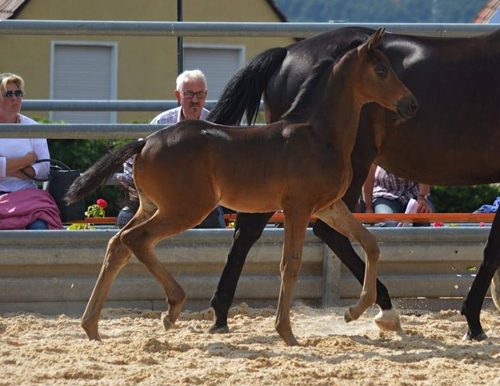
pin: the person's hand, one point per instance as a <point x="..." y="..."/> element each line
<point x="423" y="206"/>
<point x="31" y="157"/>
<point x="369" y="210"/>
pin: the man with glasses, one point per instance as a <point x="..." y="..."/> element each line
<point x="190" y="92"/>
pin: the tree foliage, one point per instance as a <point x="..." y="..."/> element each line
<point x="381" y="11"/>
<point x="83" y="153"/>
<point x="463" y="199"/>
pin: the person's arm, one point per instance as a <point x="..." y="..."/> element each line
<point x="423" y="192"/>
<point x="368" y="188"/>
<point x="40" y="170"/>
<point x="14" y="164"/>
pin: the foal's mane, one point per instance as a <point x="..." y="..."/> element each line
<point x="305" y="99"/>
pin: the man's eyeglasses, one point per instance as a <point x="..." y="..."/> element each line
<point x="190" y="94"/>
<point x="10" y="94"/>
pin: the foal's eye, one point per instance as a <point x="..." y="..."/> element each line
<point x="380" y="70"/>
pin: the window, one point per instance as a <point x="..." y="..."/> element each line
<point x="218" y="63"/>
<point x="83" y="71"/>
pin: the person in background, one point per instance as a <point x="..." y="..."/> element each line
<point x="22" y="204"/>
<point x="385" y="192"/>
<point x="191" y="91"/>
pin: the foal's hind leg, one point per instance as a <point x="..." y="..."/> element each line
<point x="142" y="239"/>
<point x="340" y="218"/>
<point x="117" y="256"/>
<point x="249" y="227"/>
<point x="295" y="230"/>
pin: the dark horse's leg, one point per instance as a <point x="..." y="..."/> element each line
<point x="475" y="298"/>
<point x="249" y="227"/>
<point x="342" y="247"/>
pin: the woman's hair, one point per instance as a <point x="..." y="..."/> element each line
<point x="190" y="75"/>
<point x="7" y="78"/>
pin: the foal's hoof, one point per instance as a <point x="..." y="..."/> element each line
<point x="478" y="337"/>
<point x="388" y="320"/>
<point x="215" y="329"/>
<point x="290" y="340"/>
<point x="167" y="324"/>
<point x="92" y="333"/>
<point x="348" y="317"/>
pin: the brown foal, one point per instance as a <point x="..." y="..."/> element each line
<point x="301" y="165"/>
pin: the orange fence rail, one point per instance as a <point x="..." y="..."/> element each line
<point x="366" y="218"/>
<point x="373" y="218"/>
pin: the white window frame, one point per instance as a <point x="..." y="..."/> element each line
<point x="114" y="66"/>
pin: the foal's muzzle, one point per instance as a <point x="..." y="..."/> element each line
<point x="407" y="106"/>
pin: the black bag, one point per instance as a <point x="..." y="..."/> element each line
<point x="61" y="177"/>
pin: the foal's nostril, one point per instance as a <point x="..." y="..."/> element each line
<point x="407" y="106"/>
<point x="414" y="106"/>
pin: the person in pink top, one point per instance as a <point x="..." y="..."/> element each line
<point x="18" y="155"/>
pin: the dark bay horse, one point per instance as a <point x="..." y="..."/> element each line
<point x="300" y="164"/>
<point x="452" y="140"/>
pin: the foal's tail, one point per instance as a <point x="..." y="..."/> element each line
<point x="244" y="90"/>
<point x="101" y="171"/>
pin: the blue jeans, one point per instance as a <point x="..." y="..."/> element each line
<point x="37" y="225"/>
<point x="384" y="205"/>
<point x="214" y="220"/>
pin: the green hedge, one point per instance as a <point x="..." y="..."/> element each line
<point x="463" y="199"/>
<point x="81" y="154"/>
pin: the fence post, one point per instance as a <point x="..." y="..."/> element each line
<point x="331" y="278"/>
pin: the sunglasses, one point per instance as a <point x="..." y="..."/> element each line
<point x="191" y="94"/>
<point x="10" y="94"/>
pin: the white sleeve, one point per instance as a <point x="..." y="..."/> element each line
<point x="41" y="148"/>
<point x="3" y="167"/>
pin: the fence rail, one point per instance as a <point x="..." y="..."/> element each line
<point x="103" y="105"/>
<point x="220" y="29"/>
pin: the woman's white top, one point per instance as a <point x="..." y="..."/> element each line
<point x="18" y="147"/>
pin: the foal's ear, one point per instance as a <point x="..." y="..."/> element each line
<point x="373" y="40"/>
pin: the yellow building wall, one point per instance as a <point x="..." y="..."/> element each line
<point x="147" y="66"/>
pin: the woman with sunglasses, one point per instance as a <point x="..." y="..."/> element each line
<point x="22" y="204"/>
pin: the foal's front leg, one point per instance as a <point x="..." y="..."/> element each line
<point x="117" y="256"/>
<point x="339" y="217"/>
<point x="295" y="230"/>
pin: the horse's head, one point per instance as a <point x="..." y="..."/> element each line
<point x="377" y="81"/>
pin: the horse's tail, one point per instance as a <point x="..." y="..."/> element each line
<point x="244" y="90"/>
<point x="101" y="171"/>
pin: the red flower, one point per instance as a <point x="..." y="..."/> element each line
<point x="102" y="203"/>
<point x="438" y="224"/>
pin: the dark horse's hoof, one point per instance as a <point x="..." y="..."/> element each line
<point x="215" y="329"/>
<point x="477" y="337"/>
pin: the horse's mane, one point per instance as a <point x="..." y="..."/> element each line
<point x="299" y="110"/>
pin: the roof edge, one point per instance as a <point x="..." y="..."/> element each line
<point x="277" y="11"/>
